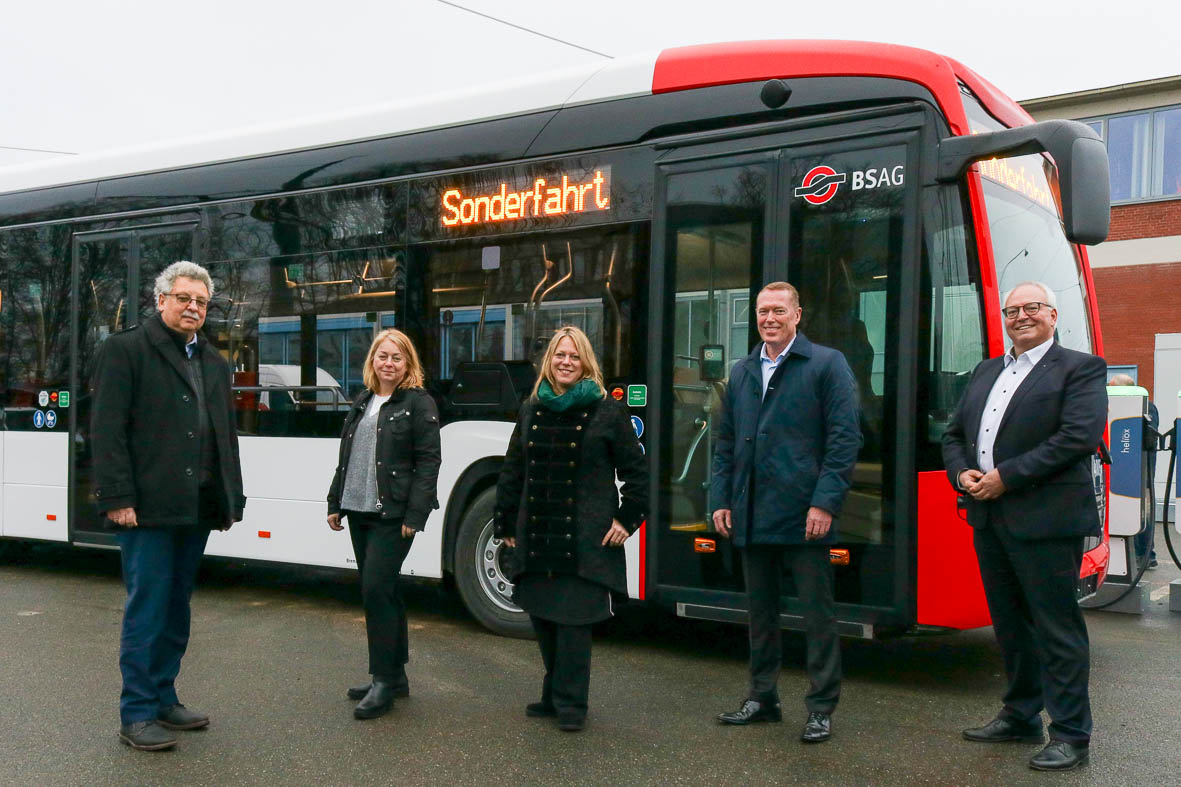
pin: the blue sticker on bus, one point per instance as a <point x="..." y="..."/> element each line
<point x="38" y="418"/>
<point x="638" y="425"/>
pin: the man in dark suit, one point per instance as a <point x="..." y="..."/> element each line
<point x="787" y="442"/>
<point x="167" y="472"/>
<point x="1019" y="449"/>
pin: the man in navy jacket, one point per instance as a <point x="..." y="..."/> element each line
<point x="787" y="442"/>
<point x="1019" y="448"/>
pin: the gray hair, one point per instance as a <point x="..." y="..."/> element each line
<point x="1121" y="379"/>
<point x="183" y="268"/>
<point x="1047" y="293"/>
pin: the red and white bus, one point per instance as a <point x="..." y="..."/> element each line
<point x="646" y="201"/>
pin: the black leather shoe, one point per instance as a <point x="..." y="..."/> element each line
<point x="401" y="689"/>
<point x="752" y="711"/>
<point x="1002" y="730"/>
<point x="540" y="710"/>
<point x="818" y="728"/>
<point x="377" y="702"/>
<point x="146" y="736"/>
<point x="571" y="721"/>
<point x="1060" y="756"/>
<point x="178" y="717"/>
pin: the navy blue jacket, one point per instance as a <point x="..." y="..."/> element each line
<point x="798" y="444"/>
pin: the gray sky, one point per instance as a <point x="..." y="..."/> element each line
<point x="85" y="75"/>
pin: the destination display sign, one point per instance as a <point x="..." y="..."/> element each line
<point x="518" y="198"/>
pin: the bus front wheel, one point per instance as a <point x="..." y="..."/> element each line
<point x="481" y="571"/>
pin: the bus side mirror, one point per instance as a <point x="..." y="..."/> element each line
<point x="1077" y="151"/>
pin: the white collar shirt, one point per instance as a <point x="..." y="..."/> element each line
<point x="1010" y="379"/>
<point x="769" y="365"/>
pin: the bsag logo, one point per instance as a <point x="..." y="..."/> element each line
<point x="820" y="184"/>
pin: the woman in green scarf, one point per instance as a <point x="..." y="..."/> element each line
<point x="559" y="508"/>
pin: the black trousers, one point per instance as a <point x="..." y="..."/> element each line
<point x="380" y="550"/>
<point x="762" y="567"/>
<point x="566" y="653"/>
<point x="1030" y="587"/>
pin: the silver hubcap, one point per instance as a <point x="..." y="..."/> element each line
<point x="491" y="558"/>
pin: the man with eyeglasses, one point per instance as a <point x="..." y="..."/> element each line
<point x="165" y="448"/>
<point x="1018" y="449"/>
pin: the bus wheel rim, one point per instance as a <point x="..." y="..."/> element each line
<point x="490" y="558"/>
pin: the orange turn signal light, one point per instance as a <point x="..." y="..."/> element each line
<point x="838" y="557"/>
<point x="706" y="545"/>
<point x="264" y="534"/>
<point x="51" y="517"/>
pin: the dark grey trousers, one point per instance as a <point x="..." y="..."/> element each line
<point x="566" y="653"/>
<point x="762" y="568"/>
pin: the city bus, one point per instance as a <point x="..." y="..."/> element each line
<point x="646" y="201"/>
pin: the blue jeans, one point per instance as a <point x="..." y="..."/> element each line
<point x="159" y="569"/>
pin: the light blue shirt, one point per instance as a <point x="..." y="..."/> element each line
<point x="769" y="365"/>
<point x="1014" y="373"/>
<point x="191" y="346"/>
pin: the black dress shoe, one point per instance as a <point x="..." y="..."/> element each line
<point x="401" y="689"/>
<point x="540" y="710"/>
<point x="146" y="736"/>
<point x="178" y="717"/>
<point x="377" y="702"/>
<point x="1001" y="730"/>
<point x="752" y="711"/>
<point x="1060" y="756"/>
<point x="569" y="721"/>
<point x="818" y="728"/>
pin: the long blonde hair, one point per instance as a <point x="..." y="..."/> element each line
<point x="586" y="353"/>
<point x="414" y="376"/>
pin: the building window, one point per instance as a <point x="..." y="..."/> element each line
<point x="1144" y="151"/>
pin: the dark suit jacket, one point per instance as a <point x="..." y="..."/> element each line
<point x="145" y="428"/>
<point x="798" y="444"/>
<point x="1052" y="426"/>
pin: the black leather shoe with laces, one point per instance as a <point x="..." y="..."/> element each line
<point x="1003" y="730"/>
<point x="817" y="729"/>
<point x="1060" y="756"/>
<point x="752" y="711"/>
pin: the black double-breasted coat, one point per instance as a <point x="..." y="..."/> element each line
<point x="557" y="493"/>
<point x="407" y="454"/>
<point x="145" y="427"/>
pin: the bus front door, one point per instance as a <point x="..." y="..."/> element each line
<point x="831" y="211"/>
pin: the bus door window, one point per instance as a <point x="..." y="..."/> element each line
<point x="844" y="257"/>
<point x="714" y="253"/>
<point x="156" y="252"/>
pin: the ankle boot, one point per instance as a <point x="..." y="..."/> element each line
<point x="377" y="702"/>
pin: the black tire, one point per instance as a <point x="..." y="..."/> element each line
<point x="480" y="562"/>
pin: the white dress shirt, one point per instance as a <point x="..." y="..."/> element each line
<point x="1014" y="373"/>
<point x="769" y="366"/>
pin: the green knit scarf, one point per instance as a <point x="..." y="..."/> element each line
<point x="580" y="394"/>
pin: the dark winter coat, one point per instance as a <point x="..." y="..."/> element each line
<point x="557" y="493"/>
<point x="1043" y="446"/>
<point x="407" y="455"/>
<point x="796" y="446"/>
<point x="145" y="427"/>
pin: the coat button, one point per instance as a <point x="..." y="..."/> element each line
<point x="574" y="445"/>
<point x="191" y="435"/>
<point x="530" y="443"/>
<point x="378" y="505"/>
<point x="534" y="427"/>
<point x="379" y="463"/>
<point x="578" y="428"/>
<point x="185" y="397"/>
<point x="572" y="464"/>
<point x="392" y="472"/>
<point x="188" y="471"/>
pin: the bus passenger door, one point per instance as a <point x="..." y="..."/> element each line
<point x="113" y="278"/>
<point x="714" y="232"/>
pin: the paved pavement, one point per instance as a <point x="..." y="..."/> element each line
<point x="273" y="651"/>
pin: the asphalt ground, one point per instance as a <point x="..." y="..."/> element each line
<point x="273" y="650"/>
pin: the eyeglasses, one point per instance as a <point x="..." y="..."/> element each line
<point x="1031" y="308"/>
<point x="185" y="300"/>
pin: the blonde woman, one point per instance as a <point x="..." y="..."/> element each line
<point x="558" y="505"/>
<point x="385" y="486"/>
